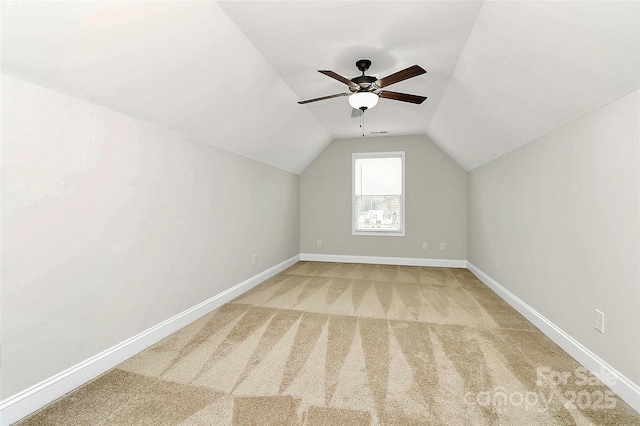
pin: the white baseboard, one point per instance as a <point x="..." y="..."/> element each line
<point x="26" y="402"/>
<point x="627" y="390"/>
<point x="382" y="260"/>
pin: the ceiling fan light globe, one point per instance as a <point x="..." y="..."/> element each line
<point x="363" y="100"/>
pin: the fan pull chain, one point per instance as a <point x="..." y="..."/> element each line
<point x="362" y="122"/>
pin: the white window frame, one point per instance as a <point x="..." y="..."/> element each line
<point x="381" y="232"/>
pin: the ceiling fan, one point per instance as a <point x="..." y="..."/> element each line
<point x="366" y="90"/>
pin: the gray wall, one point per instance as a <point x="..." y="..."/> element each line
<point x="561" y="215"/>
<point x="111" y="226"/>
<point x="436" y="198"/>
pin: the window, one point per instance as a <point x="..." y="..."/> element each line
<point x="378" y="193"/>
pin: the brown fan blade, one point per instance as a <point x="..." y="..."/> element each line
<point x="323" y="98"/>
<point x="414" y="99"/>
<point x="340" y="78"/>
<point x="400" y="75"/>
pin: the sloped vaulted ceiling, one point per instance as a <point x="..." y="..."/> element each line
<point x="499" y="73"/>
<point x="229" y="73"/>
<point x="530" y="67"/>
<point x="182" y="65"/>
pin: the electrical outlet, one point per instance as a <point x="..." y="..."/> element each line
<point x="599" y="324"/>
<point x="319" y="243"/>
<point x="424" y="246"/>
<point x="443" y="246"/>
<point x="254" y="259"/>
<point x="496" y="265"/>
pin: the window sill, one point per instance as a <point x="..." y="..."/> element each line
<point x="379" y="233"/>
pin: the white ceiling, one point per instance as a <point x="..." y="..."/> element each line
<point x="229" y="73"/>
<point x="183" y="65"/>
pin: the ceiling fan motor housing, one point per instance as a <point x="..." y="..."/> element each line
<point x="364" y="82"/>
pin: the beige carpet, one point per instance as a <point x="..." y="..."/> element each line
<point x="350" y="344"/>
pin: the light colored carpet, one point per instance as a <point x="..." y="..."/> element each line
<point x="350" y="344"/>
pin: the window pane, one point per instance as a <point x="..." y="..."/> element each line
<point x="376" y="176"/>
<point x="378" y="193"/>
<point x="378" y="212"/>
